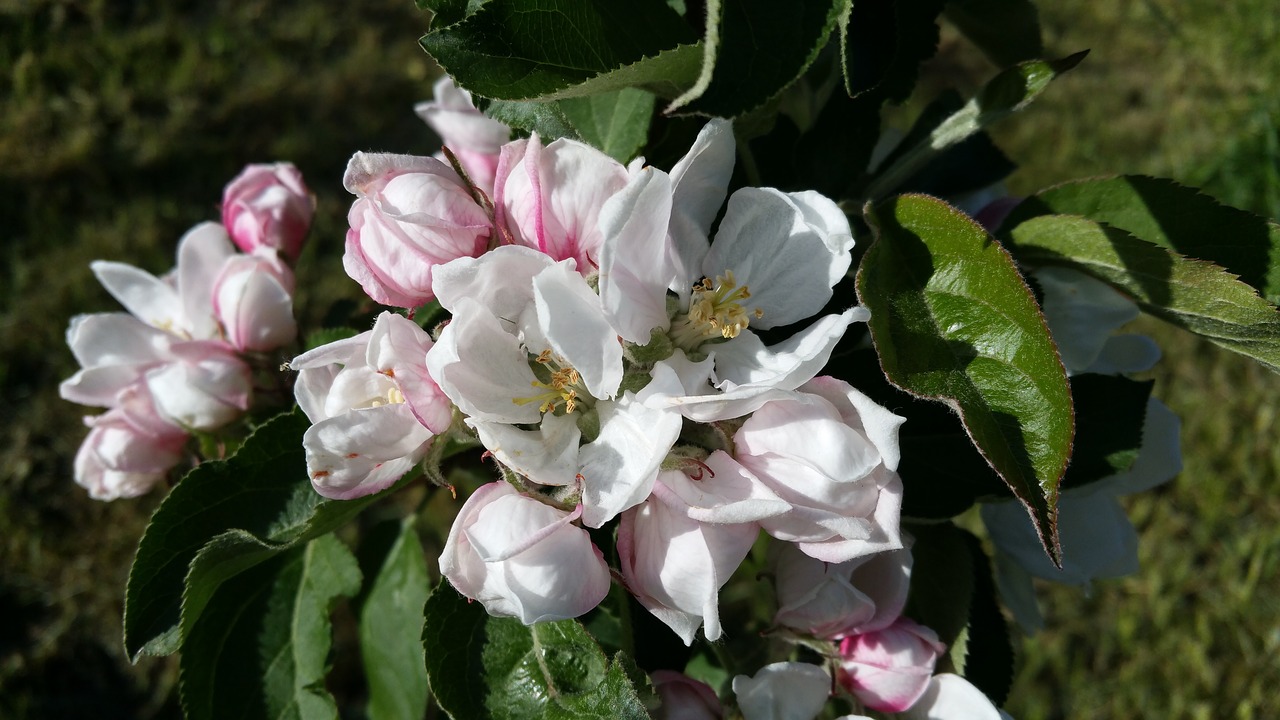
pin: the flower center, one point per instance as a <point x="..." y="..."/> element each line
<point x="393" y="396"/>
<point x="559" y="383"/>
<point x="714" y="310"/>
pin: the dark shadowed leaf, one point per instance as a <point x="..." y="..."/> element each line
<point x="261" y="648"/>
<point x="1180" y="218"/>
<point x="883" y="44"/>
<point x="526" y="49"/>
<point x="255" y="504"/>
<point x="953" y="320"/>
<point x="1005" y="94"/>
<point x="1007" y="31"/>
<point x="754" y="49"/>
<point x="1193" y="294"/>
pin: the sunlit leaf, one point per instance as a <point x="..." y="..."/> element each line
<point x="953" y="320"/>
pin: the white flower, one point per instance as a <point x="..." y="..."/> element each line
<point x="373" y="406"/>
<point x="831" y="600"/>
<point x="522" y="558"/>
<point x="832" y="453"/>
<point x="774" y="261"/>
<point x="515" y="311"/>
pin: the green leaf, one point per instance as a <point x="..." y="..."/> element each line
<point x="489" y="667"/>
<point x="392" y="655"/>
<point x="255" y="504"/>
<point x="448" y="12"/>
<point x="953" y="320"/>
<point x="1173" y="216"/>
<point x="882" y="45"/>
<point x="532" y="49"/>
<point x="544" y="118"/>
<point x="1192" y="294"/>
<point x="1005" y="94"/>
<point x="754" y="49"/>
<point x="1007" y="31"/>
<point x="616" y="123"/>
<point x="260" y="651"/>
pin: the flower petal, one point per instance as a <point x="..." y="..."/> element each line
<point x="634" y="269"/>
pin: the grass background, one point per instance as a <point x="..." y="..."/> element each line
<point x="121" y="122"/>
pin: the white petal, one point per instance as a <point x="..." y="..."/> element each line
<point x="1126" y="353"/>
<point x="363" y="451"/>
<point x="500" y="280"/>
<point x="725" y="493"/>
<point x="634" y="269"/>
<point x="147" y="297"/>
<point x="1082" y="313"/>
<point x="1160" y="455"/>
<point x="951" y="697"/>
<point x="699" y="182"/>
<point x="343" y="352"/>
<point x="570" y="316"/>
<point x="547" y="456"/>
<point x="783" y="691"/>
<point x="201" y="254"/>
<point x="620" y="466"/>
<point x="482" y="368"/>
<point x="789" y="264"/>
<point x="789" y="364"/>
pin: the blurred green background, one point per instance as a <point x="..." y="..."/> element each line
<point x="120" y="123"/>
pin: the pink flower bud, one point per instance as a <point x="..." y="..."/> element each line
<point x="268" y="206"/>
<point x="411" y="214"/>
<point x="521" y="558"/>
<point x="129" y="449"/>
<point x="253" y="301"/>
<point x="550" y="197"/>
<point x="684" y="698"/>
<point x="888" y="670"/>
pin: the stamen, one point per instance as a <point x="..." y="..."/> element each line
<point x="714" y="309"/>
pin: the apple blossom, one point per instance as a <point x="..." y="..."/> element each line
<point x="783" y="691"/>
<point x="531" y="361"/>
<point x="832" y="453"/>
<point x="522" y="558"/>
<point x="684" y="698"/>
<point x="374" y="408"/>
<point x="411" y="214"/>
<point x="675" y="565"/>
<point x="253" y="301"/>
<point x="774" y="261"/>
<point x="889" y="669"/>
<point x="832" y="600"/>
<point x="549" y="197"/>
<point x="474" y="138"/>
<point x="268" y="206"/>
<point x="115" y="351"/>
<point x="129" y="449"/>
<point x="203" y="387"/>
<point x="182" y="302"/>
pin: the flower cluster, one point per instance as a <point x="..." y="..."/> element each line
<point x="603" y="348"/>
<point x="179" y="360"/>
